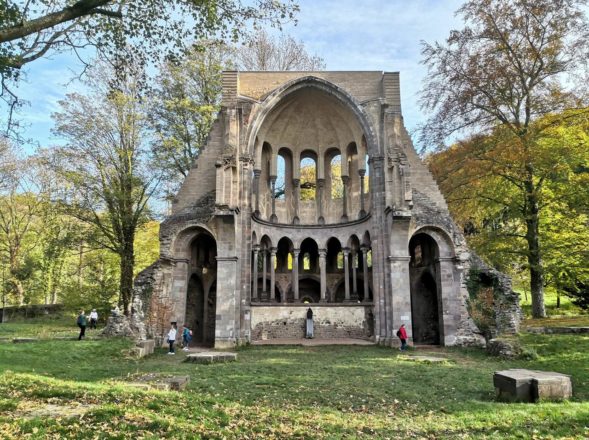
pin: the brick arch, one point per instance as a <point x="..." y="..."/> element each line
<point x="440" y="236"/>
<point x="183" y="239"/>
<point x="276" y="97"/>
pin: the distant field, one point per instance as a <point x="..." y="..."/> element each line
<point x="280" y="392"/>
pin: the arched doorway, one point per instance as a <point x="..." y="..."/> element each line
<point x="425" y="293"/>
<point x="201" y="300"/>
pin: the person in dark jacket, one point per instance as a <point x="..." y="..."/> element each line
<point x="309" y="332"/>
<point x="402" y="335"/>
<point x="82" y="324"/>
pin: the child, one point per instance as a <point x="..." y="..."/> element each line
<point x="402" y="335"/>
<point x="186" y="337"/>
<point x="172" y="337"/>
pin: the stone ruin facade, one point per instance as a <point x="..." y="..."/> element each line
<point x="309" y="193"/>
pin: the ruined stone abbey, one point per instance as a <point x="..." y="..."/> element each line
<point x="309" y="193"/>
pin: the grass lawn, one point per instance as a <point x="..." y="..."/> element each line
<point x="283" y="392"/>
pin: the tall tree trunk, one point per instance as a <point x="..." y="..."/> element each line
<point x="126" y="281"/>
<point x="534" y="254"/>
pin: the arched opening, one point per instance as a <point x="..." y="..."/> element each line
<point x="308" y="170"/>
<point x="280" y="186"/>
<point x="284" y="255"/>
<point x="336" y="186"/>
<point x="200" y="304"/>
<point x="425" y="299"/>
<point x="309" y="256"/>
<point x="309" y="290"/>
<point x="335" y="259"/>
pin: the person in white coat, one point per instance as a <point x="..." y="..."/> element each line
<point x="172" y="337"/>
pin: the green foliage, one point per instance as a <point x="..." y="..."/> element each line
<point x="342" y="392"/>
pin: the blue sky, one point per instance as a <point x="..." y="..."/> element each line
<point x="348" y="34"/>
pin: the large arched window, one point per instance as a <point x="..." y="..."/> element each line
<point x="308" y="178"/>
<point x="335" y="173"/>
<point x="280" y="186"/>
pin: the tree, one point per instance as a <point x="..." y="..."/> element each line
<point x="105" y="165"/>
<point x="473" y="177"/>
<point x="185" y="103"/>
<point x="513" y="63"/>
<point x="263" y="52"/>
<point x="32" y="29"/>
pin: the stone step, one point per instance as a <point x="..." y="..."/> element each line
<point x="211" y="357"/>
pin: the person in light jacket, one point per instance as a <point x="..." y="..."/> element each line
<point x="172" y="337"/>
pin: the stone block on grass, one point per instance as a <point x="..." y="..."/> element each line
<point x="24" y="340"/>
<point x="520" y="385"/>
<point x="211" y="357"/>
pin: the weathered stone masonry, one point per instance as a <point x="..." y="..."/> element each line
<point x="309" y="193"/>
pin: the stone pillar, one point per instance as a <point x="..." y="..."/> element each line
<point x="256" y="249"/>
<point x="297" y="197"/>
<point x="273" y="217"/>
<point x="322" y="269"/>
<point x="362" y="173"/>
<point x="347" y="273"/>
<point x="364" y="250"/>
<point x="264" y="272"/>
<point x="401" y="288"/>
<point x="345" y="181"/>
<point x="319" y="198"/>
<point x="354" y="277"/>
<point x="257" y="174"/>
<point x="295" y="273"/>
<point x="272" y="274"/>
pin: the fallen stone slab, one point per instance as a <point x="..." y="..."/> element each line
<point x="24" y="340"/>
<point x="178" y="383"/>
<point x="211" y="357"/>
<point x="521" y="385"/>
<point x="148" y="344"/>
<point x="152" y="381"/>
<point x="557" y="330"/>
<point x="426" y="359"/>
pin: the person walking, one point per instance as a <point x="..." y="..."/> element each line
<point x="186" y="337"/>
<point x="309" y="332"/>
<point x="93" y="318"/>
<point x="402" y="335"/>
<point x="82" y="324"/>
<point x="172" y="337"/>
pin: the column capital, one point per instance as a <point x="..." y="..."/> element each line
<point x="273" y="251"/>
<point x="345" y="179"/>
<point x="362" y="172"/>
<point x="322" y="253"/>
<point x="296" y="251"/>
<point x="320" y="183"/>
<point x="296" y="182"/>
<point x="346" y="251"/>
<point x="256" y="248"/>
<point x="257" y="173"/>
<point x="364" y="249"/>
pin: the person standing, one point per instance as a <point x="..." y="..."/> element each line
<point x="309" y="332"/>
<point x="172" y="337"/>
<point x="82" y="324"/>
<point x="93" y="318"/>
<point x="402" y="335"/>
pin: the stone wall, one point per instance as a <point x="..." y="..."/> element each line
<point x="330" y="322"/>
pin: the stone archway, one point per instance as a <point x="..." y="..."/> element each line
<point x="424" y="272"/>
<point x="201" y="299"/>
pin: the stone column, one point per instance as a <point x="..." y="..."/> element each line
<point x="319" y="199"/>
<point x="364" y="250"/>
<point x="295" y="273"/>
<point x="264" y="271"/>
<point x="345" y="181"/>
<point x="257" y="174"/>
<point x="297" y="196"/>
<point x="272" y="274"/>
<point x="362" y="173"/>
<point x="347" y="273"/>
<point x="322" y="269"/>
<point x="273" y="217"/>
<point x="354" y="277"/>
<point x="255" y="277"/>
